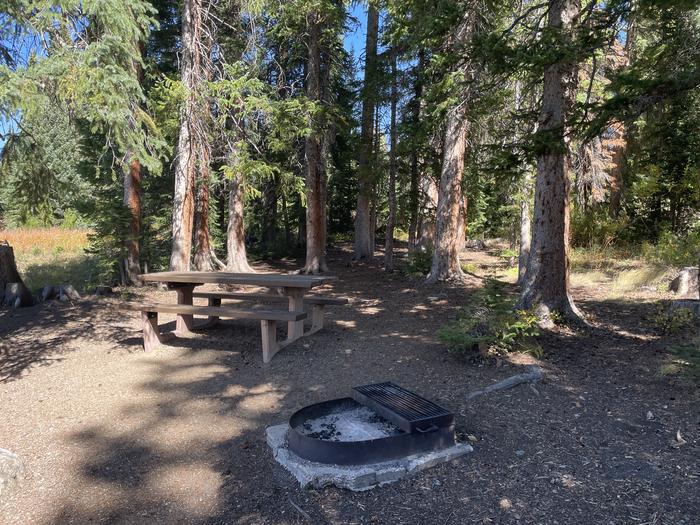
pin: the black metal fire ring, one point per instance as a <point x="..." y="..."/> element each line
<point x="387" y="448"/>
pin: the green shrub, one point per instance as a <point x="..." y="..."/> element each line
<point x="674" y="321"/>
<point x="674" y="250"/>
<point x="492" y="324"/>
<point x="595" y="228"/>
<point x="419" y="262"/>
<point x="686" y="359"/>
<point x="469" y="268"/>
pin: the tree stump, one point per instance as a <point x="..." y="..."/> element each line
<point x="686" y="282"/>
<point x="13" y="292"/>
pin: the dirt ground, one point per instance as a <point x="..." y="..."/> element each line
<point x="110" y="434"/>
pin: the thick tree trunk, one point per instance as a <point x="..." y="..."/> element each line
<point x="203" y="260"/>
<point x="391" y="219"/>
<point x="448" y="237"/>
<point x="315" y="160"/>
<point x="364" y="248"/>
<point x="236" y="259"/>
<point x="132" y="201"/>
<point x="525" y="232"/>
<point x="546" y="285"/>
<point x="447" y="222"/>
<point x="13" y="292"/>
<point x="187" y="150"/>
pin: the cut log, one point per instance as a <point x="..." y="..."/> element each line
<point x="68" y="291"/>
<point x="17" y="295"/>
<point x="533" y="374"/>
<point x="686" y="282"/>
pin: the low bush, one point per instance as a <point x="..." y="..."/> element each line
<point x="674" y="250"/>
<point x="491" y="324"/>
<point x="419" y="262"/>
<point x="675" y="320"/>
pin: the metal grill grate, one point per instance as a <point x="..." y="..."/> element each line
<point x="409" y="411"/>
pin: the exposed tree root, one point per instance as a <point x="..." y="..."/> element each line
<point x="533" y="375"/>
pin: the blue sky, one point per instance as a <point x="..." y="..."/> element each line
<point x="354" y="40"/>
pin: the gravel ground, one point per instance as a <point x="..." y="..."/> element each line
<point x="110" y="434"/>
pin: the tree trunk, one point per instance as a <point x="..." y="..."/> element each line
<point x="315" y="161"/>
<point x="236" y="258"/>
<point x="414" y="192"/>
<point x="132" y="200"/>
<point x="447" y="222"/>
<point x="10" y="280"/>
<point x="426" y="217"/>
<point x="364" y="248"/>
<point x="189" y="136"/>
<point x="546" y="285"/>
<point x="525" y="232"/>
<point x="447" y="231"/>
<point x="269" y="226"/>
<point x="203" y="260"/>
<point x="391" y="219"/>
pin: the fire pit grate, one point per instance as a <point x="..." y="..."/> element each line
<point x="408" y="411"/>
<point x="381" y="422"/>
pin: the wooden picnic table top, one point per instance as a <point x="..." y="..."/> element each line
<point x="254" y="279"/>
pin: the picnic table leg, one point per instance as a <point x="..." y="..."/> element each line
<point x="184" y="323"/>
<point x="295" y="329"/>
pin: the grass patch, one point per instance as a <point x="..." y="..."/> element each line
<point x="685" y="361"/>
<point x="51" y="256"/>
<point x="616" y="268"/>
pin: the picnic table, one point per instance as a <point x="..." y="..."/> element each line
<point x="292" y="288"/>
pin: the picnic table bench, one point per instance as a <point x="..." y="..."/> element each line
<point x="291" y="288"/>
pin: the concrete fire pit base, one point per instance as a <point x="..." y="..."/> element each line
<point x="359" y="477"/>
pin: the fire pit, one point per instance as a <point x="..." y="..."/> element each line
<point x="380" y="422"/>
<point x="379" y="435"/>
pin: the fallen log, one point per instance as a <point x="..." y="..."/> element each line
<point x="68" y="293"/>
<point x="533" y="375"/>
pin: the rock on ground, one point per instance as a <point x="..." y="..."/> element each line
<point x="11" y="470"/>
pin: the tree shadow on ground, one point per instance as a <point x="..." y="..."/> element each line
<point x="188" y="444"/>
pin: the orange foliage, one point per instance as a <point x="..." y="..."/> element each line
<point x="45" y="239"/>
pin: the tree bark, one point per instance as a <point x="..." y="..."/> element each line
<point x="189" y="136"/>
<point x="236" y="258"/>
<point x="525" y="232"/>
<point x="546" y="285"/>
<point x="447" y="231"/>
<point x="10" y="280"/>
<point x="203" y="260"/>
<point x="414" y="192"/>
<point x="315" y="160"/>
<point x="132" y="200"/>
<point x="364" y="248"/>
<point x="391" y="219"/>
<point x="447" y="223"/>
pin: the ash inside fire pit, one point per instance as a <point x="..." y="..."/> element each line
<point x="353" y="422"/>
